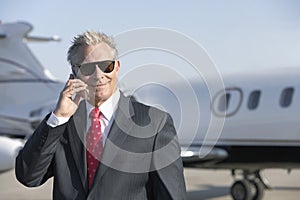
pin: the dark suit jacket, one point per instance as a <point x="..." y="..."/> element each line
<point x="141" y="157"/>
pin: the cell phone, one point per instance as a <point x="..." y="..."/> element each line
<point x="84" y="94"/>
<point x="74" y="73"/>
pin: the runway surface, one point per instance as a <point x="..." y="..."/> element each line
<point x="201" y="184"/>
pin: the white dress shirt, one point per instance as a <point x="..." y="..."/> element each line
<point x="107" y="109"/>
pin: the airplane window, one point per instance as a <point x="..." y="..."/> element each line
<point x="224" y="102"/>
<point x="254" y="99"/>
<point x="286" y="97"/>
<point x="228" y="103"/>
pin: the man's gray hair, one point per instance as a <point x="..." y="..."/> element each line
<point x="89" y="38"/>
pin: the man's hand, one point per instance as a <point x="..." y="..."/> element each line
<point x="66" y="106"/>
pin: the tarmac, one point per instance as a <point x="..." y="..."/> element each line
<point x="200" y="183"/>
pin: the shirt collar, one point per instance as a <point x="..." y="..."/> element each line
<point x="108" y="107"/>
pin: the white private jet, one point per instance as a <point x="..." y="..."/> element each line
<point x="260" y="112"/>
<point x="261" y="125"/>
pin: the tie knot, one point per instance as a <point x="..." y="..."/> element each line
<point x="95" y="113"/>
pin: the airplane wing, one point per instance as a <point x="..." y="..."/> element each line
<point x="203" y="155"/>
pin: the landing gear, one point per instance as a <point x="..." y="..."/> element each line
<point x="259" y="189"/>
<point x="251" y="187"/>
<point x="242" y="190"/>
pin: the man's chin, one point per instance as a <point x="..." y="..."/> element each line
<point x="101" y="98"/>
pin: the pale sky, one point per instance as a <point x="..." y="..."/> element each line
<point x="237" y="34"/>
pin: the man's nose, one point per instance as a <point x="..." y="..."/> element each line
<point x="98" y="73"/>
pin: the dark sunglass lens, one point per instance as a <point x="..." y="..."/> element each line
<point x="107" y="66"/>
<point x="87" y="69"/>
<point x="110" y="67"/>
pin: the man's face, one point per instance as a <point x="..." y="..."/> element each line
<point x="100" y="85"/>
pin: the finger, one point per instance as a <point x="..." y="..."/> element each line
<point x="76" y="82"/>
<point x="77" y="99"/>
<point x="71" y="77"/>
<point x="68" y="91"/>
<point x="79" y="89"/>
<point x="79" y="85"/>
<point x="73" y="86"/>
<point x="73" y="83"/>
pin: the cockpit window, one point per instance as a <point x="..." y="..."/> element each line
<point x="227" y="103"/>
<point x="224" y="102"/>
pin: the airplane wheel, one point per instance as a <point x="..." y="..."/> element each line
<point x="259" y="189"/>
<point x="243" y="190"/>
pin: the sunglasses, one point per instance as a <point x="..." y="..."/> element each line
<point x="105" y="66"/>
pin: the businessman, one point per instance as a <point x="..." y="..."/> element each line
<point x="99" y="144"/>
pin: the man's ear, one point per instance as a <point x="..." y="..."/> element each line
<point x="117" y="65"/>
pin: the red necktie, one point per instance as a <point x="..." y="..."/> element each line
<point x="93" y="145"/>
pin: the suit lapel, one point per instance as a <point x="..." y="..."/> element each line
<point x="77" y="129"/>
<point x="117" y="135"/>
